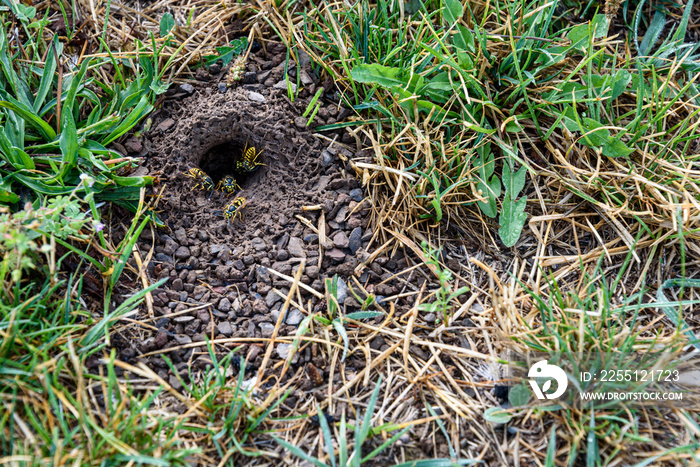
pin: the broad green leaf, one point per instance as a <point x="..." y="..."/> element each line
<point x="377" y="74"/>
<point x="15" y="156"/>
<point x="24" y="12"/>
<point x="519" y="395"/>
<point x="85" y="154"/>
<point x="30" y="117"/>
<point x="42" y="187"/>
<point x="513" y="127"/>
<point x="132" y="181"/>
<point x="620" y="82"/>
<point x="497" y="415"/>
<point x="492" y="190"/>
<point x="581" y="34"/>
<point x="48" y="73"/>
<point x="226" y="53"/>
<point x="167" y="23"/>
<point x="596" y="138"/>
<point x="464" y="39"/>
<point x="27" y="161"/>
<point x="489" y="186"/>
<point x="76" y="83"/>
<point x="159" y="87"/>
<point x="68" y="142"/>
<point x="512" y="220"/>
<point x="438" y="88"/>
<point x="364" y="315"/>
<point x="452" y="11"/>
<point x="616" y="148"/>
<point x="513" y="182"/>
<point x="7" y="197"/>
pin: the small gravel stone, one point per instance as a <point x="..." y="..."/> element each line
<point x="342" y="212"/>
<point x="177" y="285"/>
<point x="181" y="236"/>
<point x="133" y="145"/>
<point x="326" y="158"/>
<point x="429" y="318"/>
<point x="272" y="298"/>
<point x="182" y="253"/>
<point x="224" y="305"/>
<point x="183" y="340"/>
<point x="225" y="328"/>
<point x="294" y="317"/>
<point x="203" y="316"/>
<point x="163" y="258"/>
<point x="335" y="254"/>
<point x="311" y="238"/>
<point x="296" y="247"/>
<point x="174" y="382"/>
<point x="355" y="240"/>
<point x="215" y="249"/>
<point x="283" y="351"/>
<point x="283" y="85"/>
<point x="282" y="255"/>
<point x="165" y="125"/>
<point x="262" y="274"/>
<point x="259" y="244"/>
<point x="342" y="292"/>
<point x="187" y="87"/>
<point x="312" y="272"/>
<point x="161" y="339"/>
<point x="300" y="122"/>
<point x="222" y="88"/>
<point x="356" y="194"/>
<point x="341" y="240"/>
<point x="251" y="77"/>
<point x="267" y="329"/>
<point x="221" y="272"/>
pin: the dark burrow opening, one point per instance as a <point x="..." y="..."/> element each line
<point x="220" y="161"/>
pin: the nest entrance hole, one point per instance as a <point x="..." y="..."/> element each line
<point x="220" y="161"/>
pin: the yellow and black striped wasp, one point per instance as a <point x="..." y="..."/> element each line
<point x="233" y="210"/>
<point x="203" y="180"/>
<point x="249" y="161"/>
<point x="228" y="186"/>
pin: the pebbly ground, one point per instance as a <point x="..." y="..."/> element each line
<point x="219" y="279"/>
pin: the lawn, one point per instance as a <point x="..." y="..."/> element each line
<point x="403" y="232"/>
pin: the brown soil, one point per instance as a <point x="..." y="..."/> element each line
<point x="222" y="272"/>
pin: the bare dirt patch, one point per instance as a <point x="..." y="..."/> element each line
<point x="223" y="273"/>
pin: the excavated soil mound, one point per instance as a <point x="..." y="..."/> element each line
<point x="220" y="281"/>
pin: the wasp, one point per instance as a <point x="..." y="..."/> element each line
<point x="233" y="209"/>
<point x="228" y="185"/>
<point x="249" y="162"/>
<point x="203" y="180"/>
